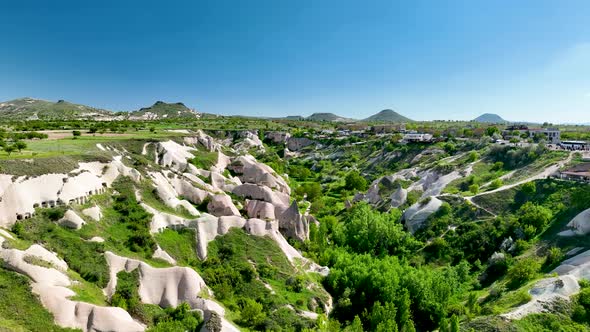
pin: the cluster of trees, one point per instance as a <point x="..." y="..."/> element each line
<point x="136" y="219"/>
<point x="515" y="157"/>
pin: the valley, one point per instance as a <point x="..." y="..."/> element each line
<point x="211" y="223"/>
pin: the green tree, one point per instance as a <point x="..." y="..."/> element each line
<point x="354" y="181"/>
<point x="533" y="215"/>
<point x="522" y="271"/>
<point x="490" y="131"/>
<point x="252" y="314"/>
<point x="383" y="317"/>
<point x="20" y="145"/>
<point x="474" y="188"/>
<point x="9" y="149"/>
<point x="370" y="231"/>
<point x="76" y="133"/>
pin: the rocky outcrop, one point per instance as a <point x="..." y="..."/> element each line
<point x="398" y="197"/>
<point x="580" y="225"/>
<point x="251" y="171"/>
<point x="51" y="285"/>
<point x="20" y="197"/>
<point x="93" y="213"/>
<point x="277" y="137"/>
<point x="260" y="210"/>
<point x="71" y="220"/>
<point x="293" y="224"/>
<point x="173" y="155"/>
<point x="250" y="140"/>
<point x="221" y="205"/>
<point x="549" y="290"/>
<point x="416" y="215"/>
<point x="203" y="139"/>
<point x="166" y="287"/>
<point x="298" y="143"/>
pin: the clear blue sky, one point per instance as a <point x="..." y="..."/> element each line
<point x="525" y="60"/>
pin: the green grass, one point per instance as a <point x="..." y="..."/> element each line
<point x="181" y="245"/>
<point x="204" y="159"/>
<point x="20" y="310"/>
<point x="86" y="291"/>
<point x="236" y="253"/>
<point x="482" y="173"/>
<point x="82" y="256"/>
<point x="537" y="166"/>
<point x="28" y="165"/>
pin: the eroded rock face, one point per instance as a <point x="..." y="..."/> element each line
<point x="21" y="196"/>
<point x="221" y="205"/>
<point x="580" y="225"/>
<point x="203" y="139"/>
<point x="298" y="143"/>
<point x="262" y="193"/>
<point x="399" y="197"/>
<point x="293" y="224"/>
<point x="167" y="193"/>
<point x="260" y="209"/>
<point x="416" y="215"/>
<point x="173" y="155"/>
<point x="166" y="287"/>
<point x="51" y="284"/>
<point x="277" y="137"/>
<point x="71" y="220"/>
<point x="251" y="171"/>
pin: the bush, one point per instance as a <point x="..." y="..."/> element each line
<point x="553" y="257"/>
<point x="251" y="314"/>
<point x="354" y="181"/>
<point x="522" y="271"/>
<point x="497" y="183"/>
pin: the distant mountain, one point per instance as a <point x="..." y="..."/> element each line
<point x="387" y="116"/>
<point x="36" y="109"/>
<point x="331" y="117"/>
<point x="294" y="117"/>
<point x="162" y="110"/>
<point x="490" y="118"/>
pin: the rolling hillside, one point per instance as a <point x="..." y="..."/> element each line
<point x="163" y="110"/>
<point x="34" y="109"/>
<point x="327" y="117"/>
<point x="489" y="118"/>
<point x="387" y="116"/>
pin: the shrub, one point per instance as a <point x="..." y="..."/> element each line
<point x="522" y="271"/>
<point x="354" y="181"/>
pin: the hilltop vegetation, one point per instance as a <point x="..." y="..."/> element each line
<point x="35" y="109"/>
<point x="387" y="116"/>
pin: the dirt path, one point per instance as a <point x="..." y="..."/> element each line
<point x="547" y="172"/>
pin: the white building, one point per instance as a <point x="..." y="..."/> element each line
<point x="417" y="137"/>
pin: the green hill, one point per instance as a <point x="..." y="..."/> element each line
<point x="327" y="117"/>
<point x="387" y="116"/>
<point x="163" y="110"/>
<point x="489" y="118"/>
<point x="34" y="109"/>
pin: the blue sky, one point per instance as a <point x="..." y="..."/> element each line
<point x="525" y="60"/>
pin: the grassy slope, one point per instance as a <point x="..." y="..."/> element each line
<point x="20" y="310"/>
